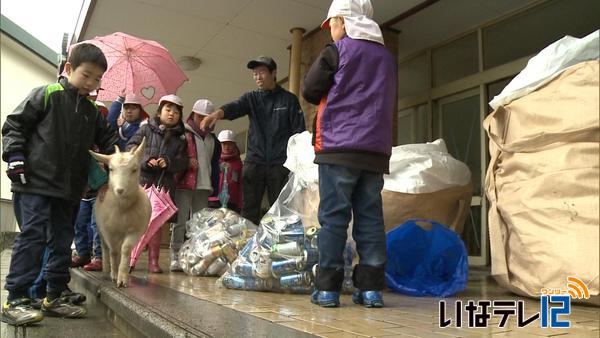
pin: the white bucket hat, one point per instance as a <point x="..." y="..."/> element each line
<point x="203" y="107"/>
<point x="358" y="20"/>
<point x="171" y="98"/>
<point x="226" y="136"/>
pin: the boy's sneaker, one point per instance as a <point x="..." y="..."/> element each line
<point x="368" y="298"/>
<point x="19" y="312"/>
<point x="73" y="297"/>
<point x="325" y="298"/>
<point x="77" y="261"/>
<point x="94" y="265"/>
<point x="62" y="307"/>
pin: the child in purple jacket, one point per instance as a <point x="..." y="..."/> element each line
<point x="354" y="83"/>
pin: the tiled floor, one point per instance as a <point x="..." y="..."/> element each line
<point x="403" y="316"/>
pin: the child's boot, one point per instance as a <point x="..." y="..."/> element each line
<point x="369" y="282"/>
<point x="174" y="266"/>
<point x="154" y="253"/>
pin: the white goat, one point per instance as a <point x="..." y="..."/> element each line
<point x="122" y="211"/>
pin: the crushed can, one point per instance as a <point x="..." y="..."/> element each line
<point x="262" y="266"/>
<point x="229" y="252"/>
<point x="212" y="252"/>
<point x="286" y="267"/>
<point x="216" y="266"/>
<point x="245" y="269"/>
<point x="289" y="281"/>
<point x="287" y="249"/>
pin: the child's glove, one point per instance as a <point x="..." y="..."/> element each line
<point x="16" y="169"/>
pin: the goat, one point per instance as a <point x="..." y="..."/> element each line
<point x="122" y="210"/>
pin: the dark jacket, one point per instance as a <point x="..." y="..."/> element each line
<point x="354" y="83"/>
<point x="187" y="180"/>
<point x="127" y="130"/>
<point x="167" y="143"/>
<point x="53" y="128"/>
<point x="274" y="117"/>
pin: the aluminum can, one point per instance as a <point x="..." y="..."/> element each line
<point x="287" y="249"/>
<point x="212" y="252"/>
<point x="300" y="279"/>
<point x="245" y="250"/>
<point x="286" y="267"/>
<point x="245" y="269"/>
<point x="229" y="252"/>
<point x="200" y="268"/>
<point x="247" y="283"/>
<point x="216" y="266"/>
<point x="236" y="229"/>
<point x="311" y="257"/>
<point x="262" y="267"/>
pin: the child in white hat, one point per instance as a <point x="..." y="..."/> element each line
<point x="353" y="79"/>
<point x="201" y="177"/>
<point x="233" y="165"/>
<point x="126" y="114"/>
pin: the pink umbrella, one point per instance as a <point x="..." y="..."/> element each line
<point x="162" y="209"/>
<point x="139" y="66"/>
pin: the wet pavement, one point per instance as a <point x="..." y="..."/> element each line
<point x="175" y="304"/>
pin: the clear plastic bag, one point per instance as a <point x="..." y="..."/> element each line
<point x="282" y="255"/>
<point x="215" y="238"/>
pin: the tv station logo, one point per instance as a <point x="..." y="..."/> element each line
<point x="555" y="305"/>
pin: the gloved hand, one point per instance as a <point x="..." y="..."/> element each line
<point x="16" y="169"/>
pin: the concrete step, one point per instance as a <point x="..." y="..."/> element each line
<point x="150" y="310"/>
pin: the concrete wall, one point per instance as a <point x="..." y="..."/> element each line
<point x="21" y="70"/>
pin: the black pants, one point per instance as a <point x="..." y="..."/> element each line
<point x="44" y="222"/>
<point x="256" y="178"/>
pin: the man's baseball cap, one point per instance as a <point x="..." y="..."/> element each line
<point x="262" y="60"/>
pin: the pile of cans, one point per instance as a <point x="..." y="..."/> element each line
<point x="216" y="237"/>
<point x="281" y="256"/>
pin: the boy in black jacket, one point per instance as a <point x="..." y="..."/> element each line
<point x="45" y="142"/>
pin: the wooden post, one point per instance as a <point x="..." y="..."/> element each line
<point x="296" y="60"/>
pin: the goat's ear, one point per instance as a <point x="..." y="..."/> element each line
<point x="139" y="150"/>
<point x="100" y="157"/>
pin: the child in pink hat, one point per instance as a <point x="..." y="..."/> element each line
<point x="164" y="157"/>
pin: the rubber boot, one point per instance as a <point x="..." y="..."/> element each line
<point x="154" y="253"/>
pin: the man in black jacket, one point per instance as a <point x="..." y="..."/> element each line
<point x="275" y="115"/>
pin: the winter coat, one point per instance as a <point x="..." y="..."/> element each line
<point x="168" y="143"/>
<point x="187" y="180"/>
<point x="234" y="179"/>
<point x="126" y="130"/>
<point x="274" y="117"/>
<point x="53" y="128"/>
<point x="354" y="83"/>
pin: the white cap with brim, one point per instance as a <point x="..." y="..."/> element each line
<point x="171" y="98"/>
<point x="358" y="20"/>
<point x="203" y="107"/>
<point x="226" y="136"/>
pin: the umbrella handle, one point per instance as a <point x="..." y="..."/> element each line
<point x="158" y="183"/>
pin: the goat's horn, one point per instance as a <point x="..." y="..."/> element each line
<point x="117" y="150"/>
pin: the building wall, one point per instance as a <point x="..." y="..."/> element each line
<point x="20" y="70"/>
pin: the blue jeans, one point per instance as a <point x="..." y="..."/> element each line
<point x="87" y="238"/>
<point x="45" y="222"/>
<point x="343" y="192"/>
